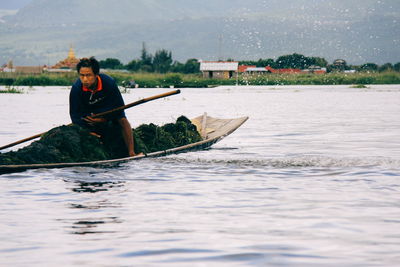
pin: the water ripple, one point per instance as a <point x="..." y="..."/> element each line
<point x="290" y="162"/>
<point x="145" y="253"/>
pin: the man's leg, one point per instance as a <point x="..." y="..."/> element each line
<point x="127" y="135"/>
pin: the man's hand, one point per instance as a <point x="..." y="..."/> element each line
<point x="95" y="134"/>
<point x="94" y="121"/>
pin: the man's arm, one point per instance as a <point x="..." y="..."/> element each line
<point x="74" y="107"/>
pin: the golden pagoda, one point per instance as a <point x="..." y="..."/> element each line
<point x="69" y="63"/>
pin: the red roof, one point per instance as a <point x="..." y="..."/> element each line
<point x="243" y="68"/>
<point x="288" y="70"/>
<point x="270" y="69"/>
<point x="319" y="72"/>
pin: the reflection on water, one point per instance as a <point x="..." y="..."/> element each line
<point x="94" y="187"/>
<point x="93" y="225"/>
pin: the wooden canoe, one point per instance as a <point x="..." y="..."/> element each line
<point x="211" y="129"/>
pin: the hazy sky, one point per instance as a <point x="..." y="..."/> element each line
<point x="13" y="4"/>
<point x="358" y="31"/>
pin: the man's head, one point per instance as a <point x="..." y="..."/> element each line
<point x="88" y="69"/>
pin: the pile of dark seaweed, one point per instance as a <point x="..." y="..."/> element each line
<point x="75" y="144"/>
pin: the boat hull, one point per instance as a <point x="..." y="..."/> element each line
<point x="211" y="129"/>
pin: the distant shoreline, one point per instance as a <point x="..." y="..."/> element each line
<point x="153" y="80"/>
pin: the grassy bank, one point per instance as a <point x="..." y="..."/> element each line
<point x="152" y="80"/>
<point x="47" y="79"/>
<point x="11" y="90"/>
<point x="324" y="79"/>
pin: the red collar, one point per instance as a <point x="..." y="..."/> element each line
<point x="99" y="86"/>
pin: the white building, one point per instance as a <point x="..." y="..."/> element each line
<point x="219" y="69"/>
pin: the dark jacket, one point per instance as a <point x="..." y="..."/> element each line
<point x="84" y="103"/>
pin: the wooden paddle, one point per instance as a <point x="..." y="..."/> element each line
<point x="141" y="101"/>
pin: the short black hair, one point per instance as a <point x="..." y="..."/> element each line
<point x="89" y="63"/>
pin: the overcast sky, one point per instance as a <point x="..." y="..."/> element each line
<point x="13" y="4"/>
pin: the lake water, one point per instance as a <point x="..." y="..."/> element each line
<point x="311" y="179"/>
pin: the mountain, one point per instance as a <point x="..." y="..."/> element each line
<point x="357" y="31"/>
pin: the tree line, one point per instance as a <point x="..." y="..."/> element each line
<point x="162" y="62"/>
<point x="298" y="61"/>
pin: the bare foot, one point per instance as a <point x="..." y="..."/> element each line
<point x="135" y="155"/>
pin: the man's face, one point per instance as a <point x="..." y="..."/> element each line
<point x="87" y="76"/>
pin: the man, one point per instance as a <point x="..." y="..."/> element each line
<point x="94" y="93"/>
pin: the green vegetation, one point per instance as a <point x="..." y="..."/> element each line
<point x="75" y="144"/>
<point x="161" y="71"/>
<point x="178" y="80"/>
<point x="60" y="144"/>
<point x="162" y="62"/>
<point x="151" y="138"/>
<point x="322" y="79"/>
<point x="46" y="79"/>
<point x="358" y="86"/>
<point x="11" y="90"/>
<point x="295" y="61"/>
